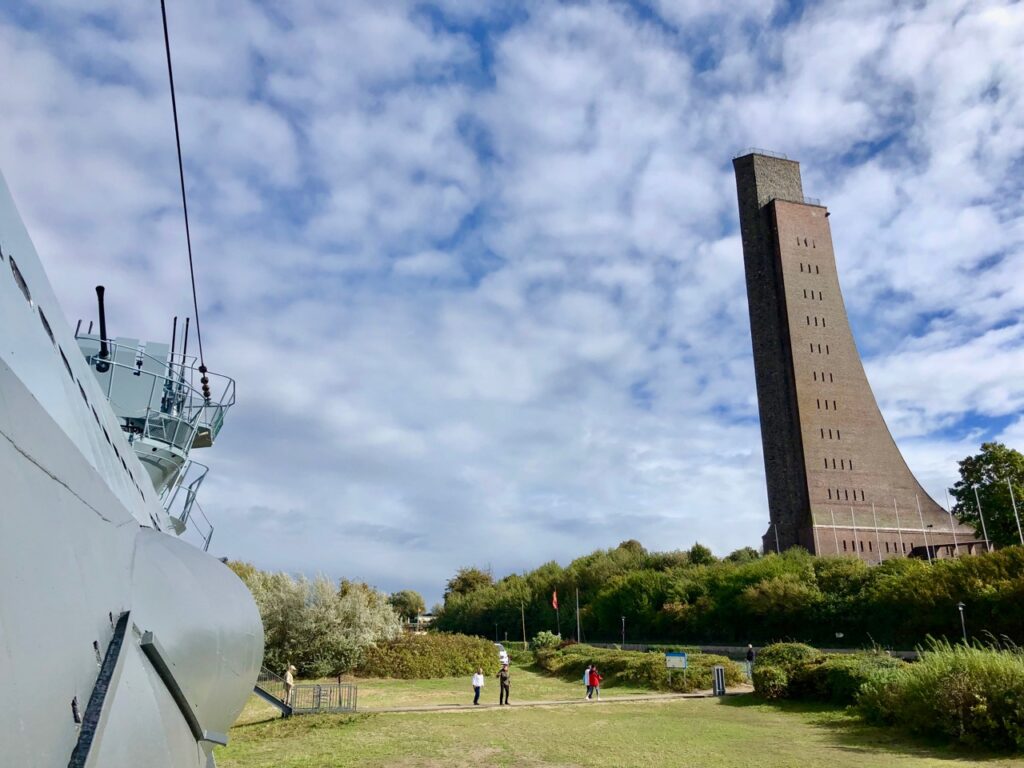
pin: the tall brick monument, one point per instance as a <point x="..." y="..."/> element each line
<point x="837" y="483"/>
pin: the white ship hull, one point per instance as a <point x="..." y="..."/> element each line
<point x="83" y="553"/>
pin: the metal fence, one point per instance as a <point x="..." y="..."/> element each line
<point x="329" y="697"/>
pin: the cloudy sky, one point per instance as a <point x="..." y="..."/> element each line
<point x="476" y="268"/>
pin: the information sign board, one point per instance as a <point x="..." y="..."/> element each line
<point x="675" y="660"/>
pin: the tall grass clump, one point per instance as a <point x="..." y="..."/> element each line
<point x="969" y="694"/>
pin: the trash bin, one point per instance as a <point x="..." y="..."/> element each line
<point x="718" y="680"/>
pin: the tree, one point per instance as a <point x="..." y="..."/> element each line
<point x="701" y="555"/>
<point x="407" y="603"/>
<point x="988" y="473"/>
<point x="743" y="555"/>
<point x="466" y="581"/>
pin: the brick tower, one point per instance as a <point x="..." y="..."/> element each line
<point x="837" y="483"/>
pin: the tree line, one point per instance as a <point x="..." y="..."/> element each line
<point x="691" y="597"/>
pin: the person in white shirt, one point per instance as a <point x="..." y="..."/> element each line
<point x="478" y="683"/>
<point x="586" y="680"/>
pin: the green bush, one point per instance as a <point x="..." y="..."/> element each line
<point x="972" y="695"/>
<point x="431" y="655"/>
<point x="838" y="678"/>
<point x="636" y="667"/>
<point x="545" y="639"/>
<point x="788" y="656"/>
<point x="770" y="682"/>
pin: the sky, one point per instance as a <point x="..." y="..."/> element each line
<point x="476" y="267"/>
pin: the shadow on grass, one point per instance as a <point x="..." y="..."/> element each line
<point x="285" y="726"/>
<point x="847" y="731"/>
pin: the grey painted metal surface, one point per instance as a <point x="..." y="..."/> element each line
<point x="85" y="537"/>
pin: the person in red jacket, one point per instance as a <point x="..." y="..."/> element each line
<point x="595" y="683"/>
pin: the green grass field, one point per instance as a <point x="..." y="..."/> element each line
<point x="731" y="733"/>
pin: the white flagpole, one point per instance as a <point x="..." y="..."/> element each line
<point x="579" y="637"/>
<point x="988" y="546"/>
<point x="814" y="532"/>
<point x="853" y="518"/>
<point x="878" y="544"/>
<point x="778" y="551"/>
<point x="1015" y="514"/>
<point x="952" y="523"/>
<point x="927" y="549"/>
<point x="834" y="534"/>
<point x="899" y="528"/>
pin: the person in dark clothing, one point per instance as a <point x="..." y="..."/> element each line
<point x="505" y="682"/>
<point x="750" y="662"/>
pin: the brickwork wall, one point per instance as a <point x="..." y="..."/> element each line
<point x="854" y="476"/>
<point x="757" y="182"/>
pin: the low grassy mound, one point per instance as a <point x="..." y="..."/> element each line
<point x="433" y="655"/>
<point x="636" y="668"/>
<point x="971" y="695"/>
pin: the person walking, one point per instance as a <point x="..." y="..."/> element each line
<point x="478" y="683"/>
<point x="750" y="661"/>
<point x="586" y="680"/>
<point x="505" y="683"/>
<point x="289" y="683"/>
<point x="595" y="682"/>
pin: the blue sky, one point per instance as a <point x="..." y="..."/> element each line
<point x="476" y="266"/>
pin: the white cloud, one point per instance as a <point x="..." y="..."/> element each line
<point x="483" y="293"/>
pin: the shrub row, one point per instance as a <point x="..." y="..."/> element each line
<point x="635" y="667"/>
<point x="431" y="655"/>
<point x="971" y="695"/>
<point x="797" y="671"/>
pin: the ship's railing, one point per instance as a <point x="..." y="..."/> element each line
<point x="272" y="684"/>
<point x="183" y="418"/>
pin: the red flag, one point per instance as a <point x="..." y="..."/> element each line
<point x="554" y="599"/>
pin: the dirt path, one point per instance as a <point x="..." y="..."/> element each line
<point x="653" y="697"/>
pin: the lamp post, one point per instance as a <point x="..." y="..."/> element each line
<point x="623" y="632"/>
<point x="963" y="624"/>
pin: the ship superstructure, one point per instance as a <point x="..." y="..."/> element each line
<point x="122" y="644"/>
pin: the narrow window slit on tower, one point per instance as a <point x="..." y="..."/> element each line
<point x="801" y="266"/>
<point x="823" y="433"/>
<point x="846" y="493"/>
<point x="830" y="378"/>
<point x="823" y="322"/>
<point x="826" y="463"/>
<point x="816" y="270"/>
<point x="815" y="322"/>
<point x="830" y="494"/>
<point x="815" y="375"/>
<point x="826" y="349"/>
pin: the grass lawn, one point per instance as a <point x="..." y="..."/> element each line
<point x="731" y="733"/>
<point x="528" y="684"/>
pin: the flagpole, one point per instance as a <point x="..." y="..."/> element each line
<point x="988" y="546"/>
<point x="834" y="534"/>
<point x="578" y="640"/>
<point x="853" y="519"/>
<point x="952" y="525"/>
<point x="927" y="549"/>
<point x="1015" y="514"/>
<point x="899" y="528"/>
<point x="522" y="613"/>
<point x="878" y="544"/>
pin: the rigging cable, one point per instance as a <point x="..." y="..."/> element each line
<point x="184" y="204"/>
